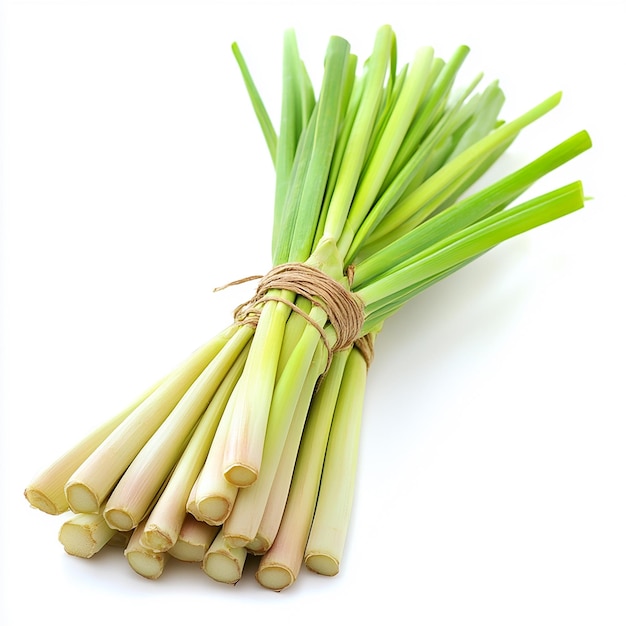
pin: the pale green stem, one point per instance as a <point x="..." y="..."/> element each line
<point x="93" y="481"/>
<point x="298" y="379"/>
<point x="212" y="498"/>
<point x="280" y="565"/>
<point x="168" y="515"/>
<point x="329" y="529"/>
<point x="244" y="447"/>
<point x="47" y="491"/>
<point x="130" y="500"/>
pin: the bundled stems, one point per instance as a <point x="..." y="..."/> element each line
<point x="251" y="444"/>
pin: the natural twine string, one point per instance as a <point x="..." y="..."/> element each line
<point x="344" y="309"/>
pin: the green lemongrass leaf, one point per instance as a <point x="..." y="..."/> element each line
<point x="392" y="304"/>
<point x="419" y="205"/>
<point x="284" y="229"/>
<point x="466" y="212"/>
<point x="324" y="139"/>
<point x="431" y="109"/>
<point x="474" y="240"/>
<point x="356" y="149"/>
<point x="410" y="176"/>
<point x="296" y="110"/>
<point x="394" y="131"/>
<point x="257" y="103"/>
<point x="354" y="91"/>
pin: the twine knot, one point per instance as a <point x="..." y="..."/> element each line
<point x="345" y="311"/>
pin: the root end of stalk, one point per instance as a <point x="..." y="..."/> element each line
<point x="119" y="519"/>
<point x="214" y="510"/>
<point x="221" y="567"/>
<point x="77" y="541"/>
<point x="155" y="539"/>
<point x="323" y="564"/>
<point x="81" y="499"/>
<point x="275" y="577"/>
<point x="241" y="475"/>
<point x="41" y="501"/>
<point x="147" y="565"/>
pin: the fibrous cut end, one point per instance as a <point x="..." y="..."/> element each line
<point x="322" y="564"/>
<point x="275" y="577"/>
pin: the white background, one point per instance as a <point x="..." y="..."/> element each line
<point x="135" y="179"/>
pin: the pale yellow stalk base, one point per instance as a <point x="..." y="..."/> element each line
<point x="90" y="485"/>
<point x="323" y="564"/>
<point x="85" y="535"/>
<point x="275" y="576"/>
<point x="194" y="540"/>
<point x="223" y="563"/>
<point x="47" y="491"/>
<point x="329" y="529"/>
<point x="145" y="562"/>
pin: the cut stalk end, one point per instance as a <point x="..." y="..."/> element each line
<point x="41" y="501"/>
<point x="214" y="509"/>
<point x="241" y="475"/>
<point x="148" y="565"/>
<point x="119" y="519"/>
<point x="81" y="498"/>
<point x="156" y="540"/>
<point x="323" y="564"/>
<point x="222" y="567"/>
<point x="85" y="535"/>
<point x="275" y="577"/>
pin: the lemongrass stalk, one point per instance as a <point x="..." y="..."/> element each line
<point x="47" y="491"/>
<point x="222" y="562"/>
<point x="297" y="381"/>
<point x="85" y="534"/>
<point x="191" y="507"/>
<point x="213" y="497"/>
<point x="329" y="529"/>
<point x="168" y="515"/>
<point x="89" y="486"/>
<point x="193" y="540"/>
<point x="129" y="502"/>
<point x="244" y="447"/>
<point x="326" y="397"/>
<point x="146" y="563"/>
<point x="281" y="564"/>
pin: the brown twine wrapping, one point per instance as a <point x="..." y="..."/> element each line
<point x="344" y="310"/>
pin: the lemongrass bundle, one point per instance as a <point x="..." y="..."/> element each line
<point x="255" y="437"/>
